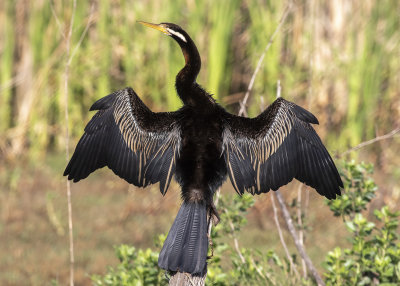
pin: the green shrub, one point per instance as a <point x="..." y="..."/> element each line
<point x="359" y="190"/>
<point x="137" y="267"/>
<point x="374" y="255"/>
<point x="372" y="258"/>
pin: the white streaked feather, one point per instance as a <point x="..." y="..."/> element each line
<point x="179" y="35"/>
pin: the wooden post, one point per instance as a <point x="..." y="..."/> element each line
<point x="186" y="279"/>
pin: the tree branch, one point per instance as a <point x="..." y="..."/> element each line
<point x="242" y="110"/>
<point x="300" y="223"/>
<point x="236" y="243"/>
<point x="300" y="248"/>
<point x="278" y="226"/>
<point x="292" y="230"/>
<point x="389" y="135"/>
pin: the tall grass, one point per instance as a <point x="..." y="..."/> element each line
<point x="348" y="52"/>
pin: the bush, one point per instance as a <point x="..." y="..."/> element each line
<point x="373" y="258"/>
<point x="249" y="266"/>
<point x="137" y="267"/>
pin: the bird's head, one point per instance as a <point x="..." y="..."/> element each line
<point x="170" y="29"/>
<point x="192" y="58"/>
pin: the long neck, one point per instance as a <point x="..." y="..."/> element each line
<point x="186" y="77"/>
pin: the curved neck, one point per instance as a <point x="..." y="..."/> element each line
<point x="188" y="74"/>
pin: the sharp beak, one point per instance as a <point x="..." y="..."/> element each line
<point x="159" y="27"/>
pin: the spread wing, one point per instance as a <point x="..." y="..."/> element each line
<point x="139" y="145"/>
<point x="270" y="150"/>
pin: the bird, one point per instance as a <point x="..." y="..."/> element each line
<point x="201" y="145"/>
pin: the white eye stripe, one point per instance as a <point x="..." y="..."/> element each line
<point x="179" y="35"/>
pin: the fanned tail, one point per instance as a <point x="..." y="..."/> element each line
<point x="185" y="249"/>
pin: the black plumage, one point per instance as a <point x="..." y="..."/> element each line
<point x="200" y="144"/>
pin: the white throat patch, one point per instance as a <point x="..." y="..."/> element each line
<point x="179" y="35"/>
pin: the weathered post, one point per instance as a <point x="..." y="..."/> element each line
<point x="185" y="279"/>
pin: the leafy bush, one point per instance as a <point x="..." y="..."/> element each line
<point x="373" y="258"/>
<point x="249" y="266"/>
<point x="359" y="190"/>
<point x="137" y="267"/>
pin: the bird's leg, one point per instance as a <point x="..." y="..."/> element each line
<point x="214" y="214"/>
<point x="214" y="217"/>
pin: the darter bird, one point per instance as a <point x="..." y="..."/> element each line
<point x="200" y="144"/>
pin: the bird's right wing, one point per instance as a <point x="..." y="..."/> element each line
<point x="270" y="150"/>
<point x="139" y="145"/>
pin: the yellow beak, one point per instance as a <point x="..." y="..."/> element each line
<point x="159" y="27"/>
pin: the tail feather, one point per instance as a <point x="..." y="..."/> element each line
<point x="185" y="249"/>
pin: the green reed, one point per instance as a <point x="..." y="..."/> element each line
<point x="347" y="77"/>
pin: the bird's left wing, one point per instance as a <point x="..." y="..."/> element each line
<point x="139" y="145"/>
<point x="270" y="150"/>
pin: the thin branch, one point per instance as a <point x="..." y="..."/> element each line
<point x="53" y="11"/>
<point x="237" y="248"/>
<point x="266" y="276"/>
<point x="278" y="225"/>
<point x="300" y="248"/>
<point x="292" y="230"/>
<point x="89" y="22"/>
<point x="389" y="135"/>
<point x="300" y="223"/>
<point x="243" y="103"/>
<point x="66" y="78"/>
<point x="236" y="242"/>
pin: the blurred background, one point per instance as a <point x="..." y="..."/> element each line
<point x="339" y="59"/>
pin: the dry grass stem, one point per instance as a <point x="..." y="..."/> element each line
<point x="66" y="77"/>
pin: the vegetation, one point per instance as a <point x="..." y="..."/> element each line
<point x="373" y="257"/>
<point x="339" y="59"/>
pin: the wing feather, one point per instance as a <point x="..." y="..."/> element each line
<point x="138" y="145"/>
<point x="270" y="150"/>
